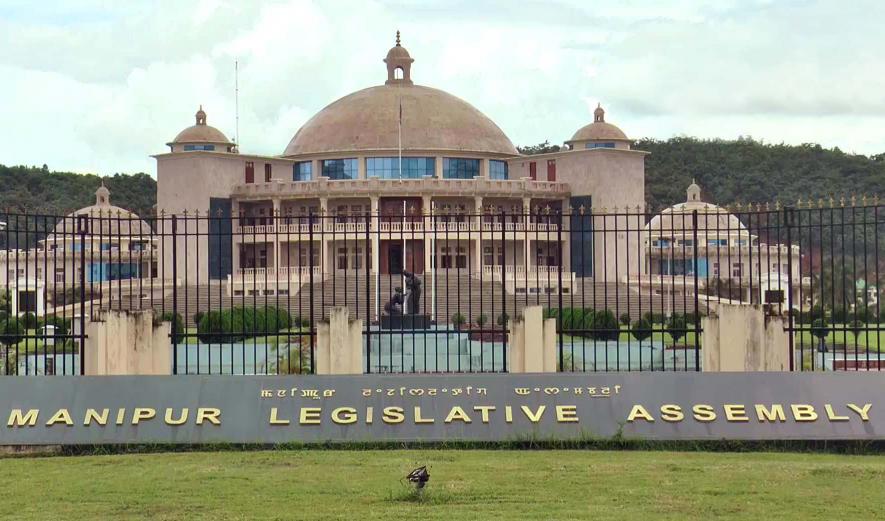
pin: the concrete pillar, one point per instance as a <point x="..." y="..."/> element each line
<point x="527" y="209"/>
<point x="533" y="342"/>
<point x="339" y="348"/>
<point x="373" y="236"/>
<point x="438" y="168"/>
<point x="276" y="235"/>
<point x="361" y="167"/>
<point x="743" y="338"/>
<point x="477" y="243"/>
<point x="127" y="343"/>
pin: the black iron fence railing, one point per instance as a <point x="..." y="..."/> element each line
<point x="436" y="292"/>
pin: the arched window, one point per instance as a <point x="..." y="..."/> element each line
<point x="398" y="73"/>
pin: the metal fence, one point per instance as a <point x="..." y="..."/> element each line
<point x="437" y="291"/>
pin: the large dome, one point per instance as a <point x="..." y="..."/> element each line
<point x="599" y="130"/>
<point x="368" y="119"/>
<point x="201" y="133"/>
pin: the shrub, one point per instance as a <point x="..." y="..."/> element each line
<point x="654" y="318"/>
<point x="856" y="326"/>
<point x="458" y="320"/>
<point x="13" y="331"/>
<point x="481" y="320"/>
<point x="238" y="323"/>
<point x="864" y="314"/>
<point x="503" y="319"/>
<point x="676" y="327"/>
<point x="29" y="320"/>
<point x="625" y="319"/>
<point x="840" y="315"/>
<point x="198" y="316"/>
<point x="174" y="318"/>
<point x="820" y="329"/>
<point x="605" y="326"/>
<point x="812" y="314"/>
<point x="641" y="329"/>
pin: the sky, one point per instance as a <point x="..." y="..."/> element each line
<point x="98" y="86"/>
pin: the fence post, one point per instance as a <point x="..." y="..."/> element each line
<point x="81" y="224"/>
<point x="312" y="325"/>
<point x="697" y="314"/>
<point x="561" y="342"/>
<point x="789" y="217"/>
<point x="174" y="292"/>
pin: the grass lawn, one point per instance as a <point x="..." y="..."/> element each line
<point x="464" y="485"/>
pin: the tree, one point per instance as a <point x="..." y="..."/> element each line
<point x="820" y="329"/>
<point x="481" y="320"/>
<point x="604" y="326"/>
<point x="541" y="148"/>
<point x="503" y="319"/>
<point x="625" y="319"/>
<point x="458" y="320"/>
<point x="641" y="329"/>
<point x="13" y="331"/>
<point x="676" y="327"/>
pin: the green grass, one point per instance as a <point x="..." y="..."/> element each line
<point x="475" y="484"/>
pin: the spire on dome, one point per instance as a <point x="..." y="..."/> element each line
<point x="599" y="114"/>
<point x="201" y="116"/>
<point x="102" y="195"/>
<point x="399" y="64"/>
<point x="693" y="192"/>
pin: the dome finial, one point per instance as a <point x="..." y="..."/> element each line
<point x="201" y="116"/>
<point x="693" y="192"/>
<point x="102" y="195"/>
<point x="599" y="114"/>
<point x="399" y="64"/>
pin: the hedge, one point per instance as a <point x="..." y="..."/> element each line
<point x="239" y="323"/>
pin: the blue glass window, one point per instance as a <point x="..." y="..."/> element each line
<point x="338" y="169"/>
<point x="302" y="171"/>
<point x="388" y="167"/>
<point x="717" y="242"/>
<point x="497" y="169"/>
<point x="188" y="148"/>
<point x="599" y="145"/>
<point x="459" y="168"/>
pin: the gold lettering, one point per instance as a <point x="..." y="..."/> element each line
<point x="863" y="412"/>
<point x="776" y="413"/>
<point x="209" y="414"/>
<point x="508" y="414"/>
<point x="533" y="417"/>
<point x="457" y="413"/>
<point x="92" y="415"/>
<point x="17" y="420"/>
<point x="566" y="414"/>
<point x="831" y="414"/>
<point x="344" y="415"/>
<point x="121" y="416"/>
<point x="275" y="419"/>
<point x="392" y="415"/>
<point x="62" y="415"/>
<point x="803" y="412"/>
<point x="484" y="411"/>
<point x="142" y="413"/>
<point x="735" y="413"/>
<point x="641" y="413"/>
<point x="418" y="418"/>
<point x="703" y="413"/>
<point x="310" y="416"/>
<point x="185" y="412"/>
<point x="672" y="413"/>
<point x="370" y="415"/>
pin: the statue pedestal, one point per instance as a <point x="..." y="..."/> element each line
<point x="405" y="322"/>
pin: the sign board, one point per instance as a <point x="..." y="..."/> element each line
<point x="483" y="407"/>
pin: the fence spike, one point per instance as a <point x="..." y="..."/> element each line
<point x="777" y="205"/>
<point x="581" y="209"/>
<point x="842" y="201"/>
<point x="853" y="200"/>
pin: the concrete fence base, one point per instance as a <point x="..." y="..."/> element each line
<point x="127" y="343"/>
<point x="339" y="347"/>
<point x="533" y="343"/>
<point x="744" y="338"/>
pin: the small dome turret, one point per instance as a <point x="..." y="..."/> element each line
<point x="399" y="64"/>
<point x="201" y="136"/>
<point x="599" y="134"/>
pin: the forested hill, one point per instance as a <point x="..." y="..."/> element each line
<point x="749" y="171"/>
<point x="728" y="171"/>
<point x="37" y="190"/>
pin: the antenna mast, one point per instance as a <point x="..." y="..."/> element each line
<point x="237" y="100"/>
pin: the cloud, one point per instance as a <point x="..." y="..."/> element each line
<point x="92" y="86"/>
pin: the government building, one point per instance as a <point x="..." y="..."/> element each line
<point x="397" y="176"/>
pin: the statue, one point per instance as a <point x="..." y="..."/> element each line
<point x="394" y="306"/>
<point x="401" y="311"/>
<point x="413" y="293"/>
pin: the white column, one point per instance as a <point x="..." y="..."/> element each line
<point x="477" y="261"/>
<point x="438" y="166"/>
<point x="376" y="254"/>
<point x="276" y="236"/>
<point x="527" y="208"/>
